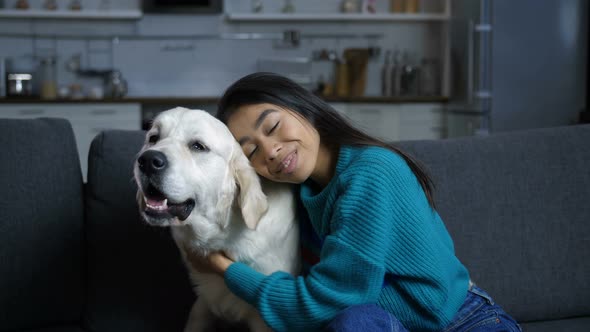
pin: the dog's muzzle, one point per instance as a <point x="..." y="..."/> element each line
<point x="156" y="204"/>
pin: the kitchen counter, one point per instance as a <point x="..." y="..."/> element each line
<point x="213" y="100"/>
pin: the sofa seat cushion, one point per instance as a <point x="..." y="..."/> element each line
<point x="570" y="325"/>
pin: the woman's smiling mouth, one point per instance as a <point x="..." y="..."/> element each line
<point x="288" y="164"/>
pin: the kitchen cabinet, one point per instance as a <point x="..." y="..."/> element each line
<point x="396" y="122"/>
<point x="87" y="119"/>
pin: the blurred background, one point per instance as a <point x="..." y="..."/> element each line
<point x="400" y="69"/>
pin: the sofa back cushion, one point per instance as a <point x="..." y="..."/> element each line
<point x="137" y="281"/>
<point x="518" y="208"/>
<point x="41" y="225"/>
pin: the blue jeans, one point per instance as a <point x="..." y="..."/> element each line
<point x="478" y="313"/>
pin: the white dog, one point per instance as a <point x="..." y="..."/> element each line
<point x="192" y="175"/>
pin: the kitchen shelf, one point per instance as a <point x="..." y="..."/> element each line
<point x="179" y="100"/>
<point x="70" y="14"/>
<point x="327" y="17"/>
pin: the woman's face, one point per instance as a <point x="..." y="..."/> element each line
<point x="281" y="145"/>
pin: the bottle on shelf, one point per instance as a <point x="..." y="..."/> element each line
<point x="430" y="77"/>
<point x="396" y="73"/>
<point x="387" y="75"/>
<point x="410" y="76"/>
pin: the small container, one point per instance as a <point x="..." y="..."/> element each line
<point x="50" y="5"/>
<point x="75" y="5"/>
<point x="289" y="7"/>
<point x="257" y="6"/>
<point x="412" y="6"/>
<point x="350" y="6"/>
<point x="22" y="4"/>
<point x="397" y="6"/>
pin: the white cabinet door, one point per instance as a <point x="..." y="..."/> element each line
<point x="379" y="120"/>
<point x="421" y="121"/>
<point x="87" y="120"/>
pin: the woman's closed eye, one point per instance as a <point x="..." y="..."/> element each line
<point x="274" y="127"/>
<point x="270" y="131"/>
<point x="251" y="154"/>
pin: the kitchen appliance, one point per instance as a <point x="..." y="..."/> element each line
<point x="182" y="6"/>
<point x="512" y="69"/>
<point x="20" y="75"/>
<point x="19" y="85"/>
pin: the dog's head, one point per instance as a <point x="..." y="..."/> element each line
<point x="190" y="170"/>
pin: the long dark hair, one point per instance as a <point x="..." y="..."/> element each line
<point x="333" y="128"/>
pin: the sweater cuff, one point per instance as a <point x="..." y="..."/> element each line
<point x="243" y="281"/>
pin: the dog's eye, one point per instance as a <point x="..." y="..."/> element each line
<point x="198" y="146"/>
<point x="154" y="139"/>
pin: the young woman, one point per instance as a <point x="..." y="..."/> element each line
<point x="385" y="260"/>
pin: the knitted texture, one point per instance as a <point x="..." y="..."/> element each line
<point x="382" y="243"/>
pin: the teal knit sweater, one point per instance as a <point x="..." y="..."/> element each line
<point x="382" y="243"/>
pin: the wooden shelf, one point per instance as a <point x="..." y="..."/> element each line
<point x="420" y="17"/>
<point x="70" y="14"/>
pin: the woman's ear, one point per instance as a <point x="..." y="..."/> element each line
<point x="252" y="199"/>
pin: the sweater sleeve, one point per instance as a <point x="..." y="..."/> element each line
<point x="352" y="260"/>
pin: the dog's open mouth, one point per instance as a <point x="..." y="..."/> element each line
<point x="157" y="205"/>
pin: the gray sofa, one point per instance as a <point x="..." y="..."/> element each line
<point x="76" y="257"/>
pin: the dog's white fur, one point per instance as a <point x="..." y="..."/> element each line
<point x="231" y="214"/>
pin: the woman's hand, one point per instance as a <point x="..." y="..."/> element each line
<point x="216" y="262"/>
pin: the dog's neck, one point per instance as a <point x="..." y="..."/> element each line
<point x="223" y="228"/>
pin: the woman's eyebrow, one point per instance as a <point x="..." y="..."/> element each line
<point x="262" y="116"/>
<point x="257" y="124"/>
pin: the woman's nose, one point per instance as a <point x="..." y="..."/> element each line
<point x="271" y="150"/>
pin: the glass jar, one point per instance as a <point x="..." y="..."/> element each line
<point x="48" y="78"/>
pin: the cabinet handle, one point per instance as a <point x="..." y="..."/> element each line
<point x="103" y="112"/>
<point x="31" y="112"/>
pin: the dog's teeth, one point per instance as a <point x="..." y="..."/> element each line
<point x="165" y="205"/>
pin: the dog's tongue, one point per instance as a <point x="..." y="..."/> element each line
<point x="157" y="204"/>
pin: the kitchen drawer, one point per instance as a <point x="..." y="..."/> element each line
<point x="379" y="120"/>
<point x="426" y="113"/>
<point x="28" y="111"/>
<point x="107" y="112"/>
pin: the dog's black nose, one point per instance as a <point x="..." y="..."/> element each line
<point x="152" y="162"/>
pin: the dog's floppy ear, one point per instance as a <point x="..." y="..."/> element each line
<point x="252" y="200"/>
